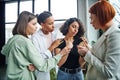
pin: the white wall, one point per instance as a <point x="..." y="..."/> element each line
<point x="83" y="14"/>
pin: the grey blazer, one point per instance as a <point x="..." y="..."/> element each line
<point x="104" y="57"/>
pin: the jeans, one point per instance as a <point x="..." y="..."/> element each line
<point x="67" y="76"/>
<point x="42" y="75"/>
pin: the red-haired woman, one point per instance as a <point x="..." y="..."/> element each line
<point x="104" y="56"/>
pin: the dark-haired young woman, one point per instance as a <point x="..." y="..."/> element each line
<point x="69" y="65"/>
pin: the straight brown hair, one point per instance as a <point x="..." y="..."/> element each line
<point x="20" y="27"/>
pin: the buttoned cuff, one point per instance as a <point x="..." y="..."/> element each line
<point x="48" y="53"/>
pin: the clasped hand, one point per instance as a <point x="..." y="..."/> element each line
<point x="83" y="47"/>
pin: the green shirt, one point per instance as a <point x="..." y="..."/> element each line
<point x="20" y="52"/>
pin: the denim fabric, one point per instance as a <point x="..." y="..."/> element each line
<point x="67" y="76"/>
<point x="42" y="75"/>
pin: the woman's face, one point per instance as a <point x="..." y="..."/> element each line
<point x="48" y="25"/>
<point x="95" y="21"/>
<point x="31" y="27"/>
<point x="73" y="28"/>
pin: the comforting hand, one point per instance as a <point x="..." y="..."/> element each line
<point x="55" y="44"/>
<point x="65" y="50"/>
<point x="84" y="39"/>
<point x="82" y="50"/>
<point x="84" y="43"/>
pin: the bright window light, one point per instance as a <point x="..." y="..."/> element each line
<point x="40" y="6"/>
<point x="8" y="31"/>
<point x="26" y="6"/>
<point x="64" y="9"/>
<point x="116" y="5"/>
<point x="11" y="12"/>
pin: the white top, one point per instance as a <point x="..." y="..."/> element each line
<point x="42" y="41"/>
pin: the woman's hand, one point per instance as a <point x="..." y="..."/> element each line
<point x="82" y="50"/>
<point x="82" y="62"/>
<point x="55" y="44"/>
<point x="31" y="67"/>
<point x="84" y="43"/>
<point x="66" y="50"/>
<point x="83" y="47"/>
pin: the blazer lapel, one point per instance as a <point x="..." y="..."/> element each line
<point x="98" y="43"/>
<point x="102" y="38"/>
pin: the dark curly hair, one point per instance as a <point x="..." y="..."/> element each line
<point x="65" y="26"/>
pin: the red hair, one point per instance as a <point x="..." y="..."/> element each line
<point x="103" y="10"/>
